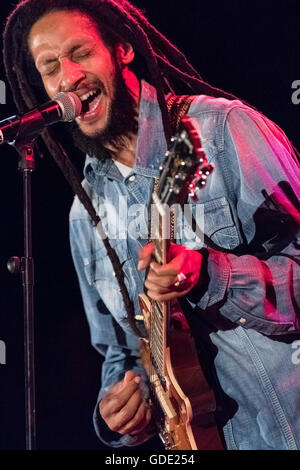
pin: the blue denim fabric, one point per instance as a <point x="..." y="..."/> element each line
<point x="249" y="314"/>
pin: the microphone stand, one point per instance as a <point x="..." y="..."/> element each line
<point x="66" y="107"/>
<point x="25" y="266"/>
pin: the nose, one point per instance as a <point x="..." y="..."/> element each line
<point x="71" y="74"/>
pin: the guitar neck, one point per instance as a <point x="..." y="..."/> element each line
<point x="160" y="235"/>
<point x="185" y="169"/>
<point x="180" y="395"/>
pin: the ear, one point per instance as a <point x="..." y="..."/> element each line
<point x="125" y="53"/>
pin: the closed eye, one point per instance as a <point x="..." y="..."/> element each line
<point x="81" y="55"/>
<point x="48" y="71"/>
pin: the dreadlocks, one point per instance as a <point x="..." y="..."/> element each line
<point x="168" y="69"/>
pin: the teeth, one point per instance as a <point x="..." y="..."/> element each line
<point x="87" y="95"/>
<point x="92" y="106"/>
<point x="95" y="105"/>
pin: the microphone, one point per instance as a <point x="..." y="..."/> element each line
<point x="64" y="107"/>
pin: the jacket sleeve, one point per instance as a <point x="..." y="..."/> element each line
<point x="117" y="358"/>
<point x="260" y="288"/>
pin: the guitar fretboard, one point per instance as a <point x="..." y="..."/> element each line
<point x="160" y="231"/>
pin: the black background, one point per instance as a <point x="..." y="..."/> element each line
<point x="248" y="48"/>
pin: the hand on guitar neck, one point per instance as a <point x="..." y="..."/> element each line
<point x="123" y="408"/>
<point x="175" y="279"/>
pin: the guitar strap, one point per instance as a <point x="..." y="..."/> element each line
<point x="178" y="106"/>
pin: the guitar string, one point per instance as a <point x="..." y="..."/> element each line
<point x="157" y="324"/>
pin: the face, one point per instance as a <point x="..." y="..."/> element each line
<point x="70" y="56"/>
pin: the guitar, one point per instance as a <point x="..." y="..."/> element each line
<point x="181" y="400"/>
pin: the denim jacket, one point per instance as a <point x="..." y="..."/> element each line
<point x="248" y="317"/>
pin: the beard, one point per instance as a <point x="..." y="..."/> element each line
<point x="121" y="124"/>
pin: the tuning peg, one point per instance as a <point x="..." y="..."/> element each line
<point x="181" y="176"/>
<point x="200" y="151"/>
<point x="192" y="189"/>
<point x="208" y="169"/>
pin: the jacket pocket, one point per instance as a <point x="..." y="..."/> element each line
<point x="214" y="218"/>
<point x="219" y="225"/>
<point x="98" y="265"/>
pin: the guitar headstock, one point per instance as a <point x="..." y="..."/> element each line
<point x="185" y="167"/>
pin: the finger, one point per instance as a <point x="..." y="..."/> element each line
<point x="130" y="375"/>
<point x="145" y="256"/>
<point x="165" y="297"/>
<point x="188" y="264"/>
<point x="165" y="269"/>
<point x="158" y="288"/>
<point x="120" y="419"/>
<point x="163" y="281"/>
<point x="137" y="422"/>
<point x="117" y="398"/>
<point x="143" y="424"/>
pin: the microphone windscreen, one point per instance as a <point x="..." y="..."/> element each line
<point x="70" y="105"/>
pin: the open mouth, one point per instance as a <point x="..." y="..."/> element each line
<point x="90" y="101"/>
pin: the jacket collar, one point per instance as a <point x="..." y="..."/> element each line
<point x="151" y="142"/>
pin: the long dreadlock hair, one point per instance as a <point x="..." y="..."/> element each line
<point x="168" y="68"/>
